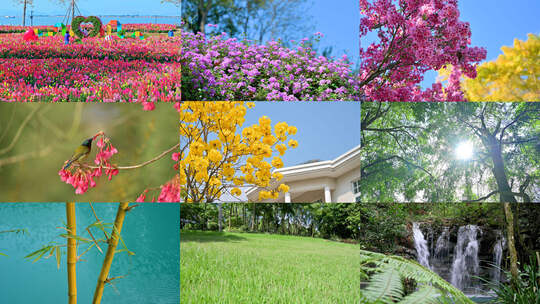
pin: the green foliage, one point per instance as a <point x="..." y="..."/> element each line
<point x="96" y="26"/>
<point x="525" y="290"/>
<point x="408" y="151"/>
<point x="386" y="281"/>
<point x="47" y="251"/>
<point x="254" y="20"/>
<point x="331" y="221"/>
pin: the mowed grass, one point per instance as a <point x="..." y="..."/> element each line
<point x="263" y="268"/>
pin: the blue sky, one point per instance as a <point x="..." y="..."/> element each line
<point x="497" y="23"/>
<point x="96" y="7"/>
<point x="325" y="129"/>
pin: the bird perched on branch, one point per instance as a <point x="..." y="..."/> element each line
<point x="81" y="152"/>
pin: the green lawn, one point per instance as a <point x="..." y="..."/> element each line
<point x="262" y="268"/>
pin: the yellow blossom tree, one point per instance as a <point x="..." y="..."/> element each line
<point x="513" y="76"/>
<point x="218" y="157"/>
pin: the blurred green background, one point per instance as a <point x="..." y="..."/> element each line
<point x="36" y="139"/>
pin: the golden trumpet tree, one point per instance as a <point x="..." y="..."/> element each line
<point x="218" y="156"/>
<point x="513" y="76"/>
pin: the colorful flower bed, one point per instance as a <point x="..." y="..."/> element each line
<point x="118" y="70"/>
<point x="128" y="27"/>
<point x="106" y="80"/>
<point x="149" y="27"/>
<point x="162" y="49"/>
<point x="22" y="29"/>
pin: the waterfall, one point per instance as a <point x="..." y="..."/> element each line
<point x="497" y="257"/>
<point x="420" y="244"/>
<point x="442" y="246"/>
<point x="466" y="263"/>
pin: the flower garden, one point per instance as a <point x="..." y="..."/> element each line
<point x="119" y="68"/>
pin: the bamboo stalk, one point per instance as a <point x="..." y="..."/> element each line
<point x="71" y="253"/>
<point x="113" y="242"/>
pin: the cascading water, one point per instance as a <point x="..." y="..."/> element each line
<point x="420" y="244"/>
<point x="442" y="246"/>
<point x="466" y="262"/>
<point x="497" y="257"/>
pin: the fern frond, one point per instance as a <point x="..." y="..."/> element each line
<point x="372" y="261"/>
<point x="384" y="287"/>
<point x="425" y="294"/>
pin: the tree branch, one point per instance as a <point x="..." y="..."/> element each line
<point x="19" y="131"/>
<point x="25" y="156"/>
<point x="146" y="162"/>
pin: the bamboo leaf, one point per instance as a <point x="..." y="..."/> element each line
<point x="3" y="254"/>
<point x="42" y="253"/>
<point x="51" y="252"/>
<point x="17" y="231"/>
<point x="37" y="252"/>
<point x="76" y="237"/>
<point x="125" y="249"/>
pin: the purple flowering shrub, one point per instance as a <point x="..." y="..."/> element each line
<point x="217" y="68"/>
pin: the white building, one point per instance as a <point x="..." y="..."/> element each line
<point x="336" y="180"/>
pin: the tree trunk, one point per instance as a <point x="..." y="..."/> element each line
<point x="202" y="14"/>
<point x="220" y="217"/>
<point x="253" y="218"/>
<point x="505" y="193"/>
<point x="244" y="206"/>
<point x="511" y="241"/>
<point x="71" y="252"/>
<point x="230" y="216"/>
<point x="24" y="13"/>
<point x="113" y="242"/>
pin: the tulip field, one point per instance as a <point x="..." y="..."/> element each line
<point x="92" y="69"/>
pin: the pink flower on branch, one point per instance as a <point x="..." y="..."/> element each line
<point x="81" y="176"/>
<point x="414" y="36"/>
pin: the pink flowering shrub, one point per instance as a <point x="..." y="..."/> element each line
<point x="81" y="176"/>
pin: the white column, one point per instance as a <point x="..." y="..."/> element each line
<point x="287" y="197"/>
<point x="327" y="195"/>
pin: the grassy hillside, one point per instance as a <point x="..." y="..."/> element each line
<point x="260" y="268"/>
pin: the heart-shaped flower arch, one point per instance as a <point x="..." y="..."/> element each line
<point x="76" y="25"/>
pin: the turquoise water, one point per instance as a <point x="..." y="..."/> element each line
<point x="151" y="231"/>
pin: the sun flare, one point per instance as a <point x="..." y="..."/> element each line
<point x="464" y="150"/>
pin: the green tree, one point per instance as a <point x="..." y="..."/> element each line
<point x="409" y="152"/>
<point x="258" y="20"/>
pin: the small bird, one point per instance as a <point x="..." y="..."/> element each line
<point x="81" y="152"/>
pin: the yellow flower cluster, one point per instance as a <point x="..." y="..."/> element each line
<point x="218" y="155"/>
<point x="513" y="76"/>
